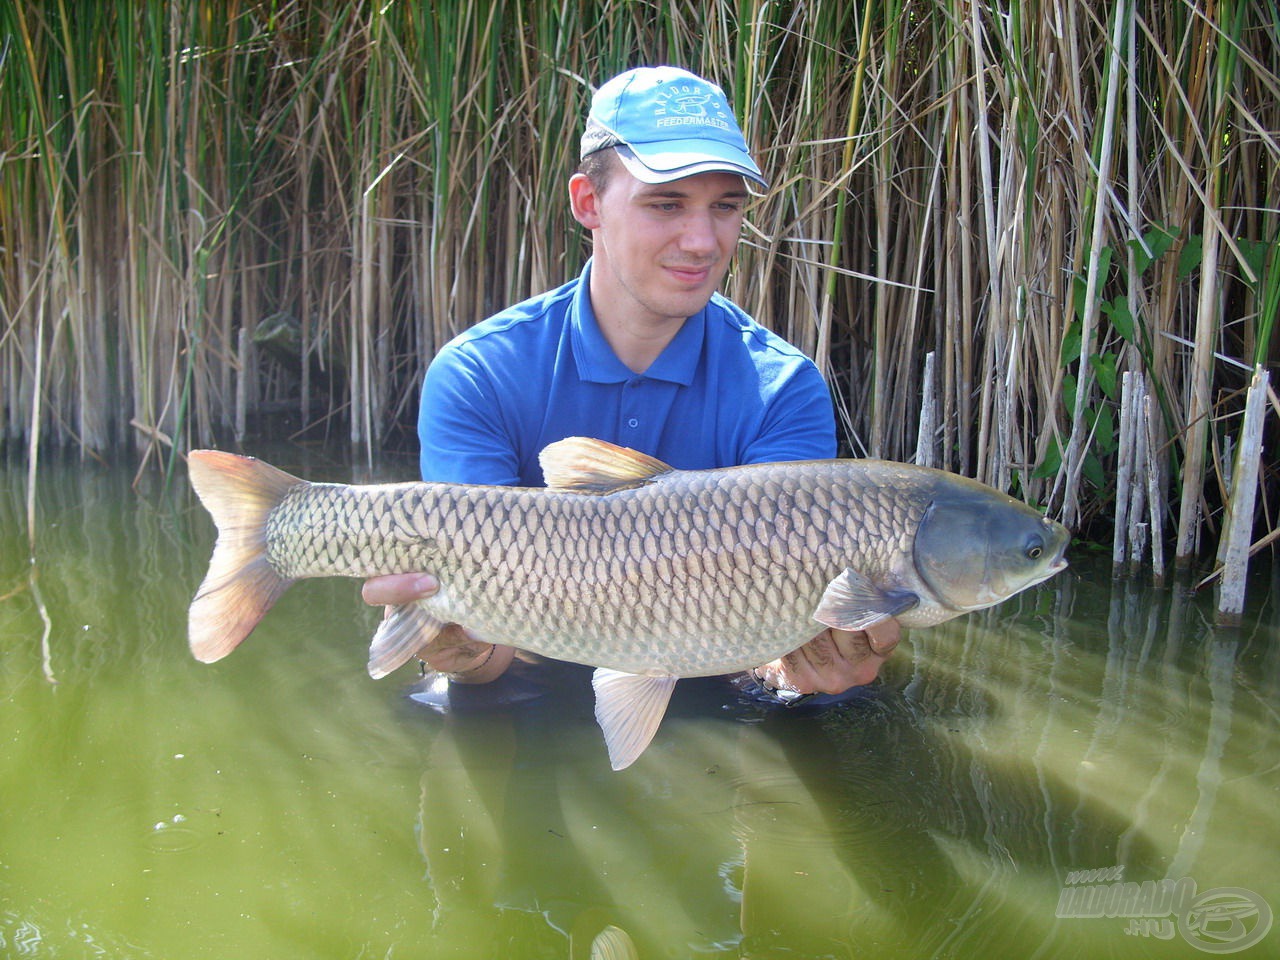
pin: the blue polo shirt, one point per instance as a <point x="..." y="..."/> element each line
<point x="725" y="391"/>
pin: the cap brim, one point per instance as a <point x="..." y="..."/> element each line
<point x="677" y="159"/>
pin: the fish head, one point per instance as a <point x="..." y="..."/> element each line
<point x="979" y="547"/>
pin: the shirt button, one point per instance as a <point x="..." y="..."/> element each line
<point x="633" y="423"/>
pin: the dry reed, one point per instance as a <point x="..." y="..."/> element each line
<point x="1044" y="197"/>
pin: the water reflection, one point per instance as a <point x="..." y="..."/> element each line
<point x="279" y="803"/>
<point x="775" y="835"/>
<point x="942" y="814"/>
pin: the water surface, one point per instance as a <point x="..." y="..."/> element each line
<point x="282" y="804"/>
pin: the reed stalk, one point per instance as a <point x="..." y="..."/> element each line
<point x="1043" y="196"/>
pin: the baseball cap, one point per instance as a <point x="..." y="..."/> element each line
<point x="666" y="123"/>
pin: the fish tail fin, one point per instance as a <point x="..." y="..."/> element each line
<point x="241" y="585"/>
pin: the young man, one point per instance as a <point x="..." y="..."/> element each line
<point x="639" y="350"/>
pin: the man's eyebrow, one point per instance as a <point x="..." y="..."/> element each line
<point x="675" y="193"/>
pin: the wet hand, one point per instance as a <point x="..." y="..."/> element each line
<point x="467" y="659"/>
<point x="464" y="658"/>
<point x="834" y="661"/>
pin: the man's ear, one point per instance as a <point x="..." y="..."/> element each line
<point x="584" y="201"/>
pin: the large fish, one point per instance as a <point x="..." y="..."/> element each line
<point x="646" y="572"/>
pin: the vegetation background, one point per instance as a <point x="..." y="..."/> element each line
<point x="1037" y="243"/>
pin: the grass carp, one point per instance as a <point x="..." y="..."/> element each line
<point x="645" y="572"/>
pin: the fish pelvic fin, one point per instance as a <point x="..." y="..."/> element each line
<point x="629" y="709"/>
<point x="852" y="602"/>
<point x="405" y="630"/>
<point x="241" y="585"/>
<point x="584" y="465"/>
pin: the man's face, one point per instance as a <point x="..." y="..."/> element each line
<point x="660" y="250"/>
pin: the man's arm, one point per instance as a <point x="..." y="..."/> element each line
<point x="800" y="425"/>
<point x="461" y="441"/>
<point x="834" y="661"/>
<point x="400" y="588"/>
<point x="466" y="425"/>
<point x="799" y="422"/>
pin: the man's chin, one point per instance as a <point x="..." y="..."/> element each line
<point x="687" y="303"/>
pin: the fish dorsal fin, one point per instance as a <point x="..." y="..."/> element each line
<point x="852" y="602"/>
<point x="584" y="465"/>
<point x="629" y="709"/>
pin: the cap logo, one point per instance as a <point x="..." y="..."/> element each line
<point x="686" y="104"/>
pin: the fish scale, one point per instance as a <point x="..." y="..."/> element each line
<point x="624" y="563"/>
<point x="742" y="527"/>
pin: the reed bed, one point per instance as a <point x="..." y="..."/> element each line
<point x="216" y="211"/>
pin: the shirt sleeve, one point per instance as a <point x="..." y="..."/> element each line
<point x="461" y="433"/>
<point x="800" y="422"/>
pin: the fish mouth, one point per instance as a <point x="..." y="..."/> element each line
<point x="1062" y="535"/>
<point x="1051" y="569"/>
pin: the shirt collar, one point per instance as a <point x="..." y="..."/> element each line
<point x="597" y="363"/>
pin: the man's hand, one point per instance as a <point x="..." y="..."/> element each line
<point x="834" y="660"/>
<point x="397" y="589"/>
<point x="465" y="659"/>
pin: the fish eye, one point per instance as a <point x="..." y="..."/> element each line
<point x="1035" y="549"/>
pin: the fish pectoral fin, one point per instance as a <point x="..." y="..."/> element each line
<point x="406" y="630"/>
<point x="852" y="602"/>
<point x="583" y="465"/>
<point x="629" y="709"/>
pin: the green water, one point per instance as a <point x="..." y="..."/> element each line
<point x="281" y="804"/>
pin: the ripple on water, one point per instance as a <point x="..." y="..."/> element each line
<point x="19" y="935"/>
<point x="26" y="932"/>
<point x="782" y="809"/>
<point x="175" y="835"/>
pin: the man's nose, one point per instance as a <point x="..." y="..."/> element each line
<point x="699" y="233"/>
